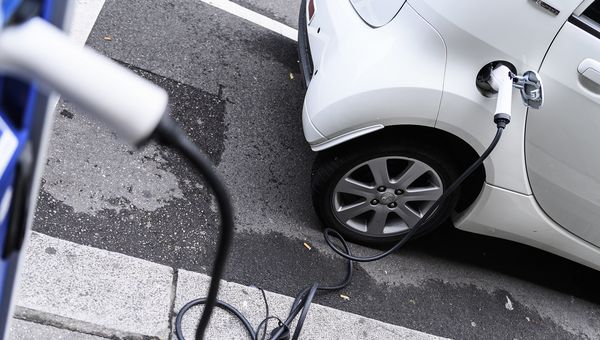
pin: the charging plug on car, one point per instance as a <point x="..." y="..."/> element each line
<point x="501" y="81"/>
<point x="497" y="80"/>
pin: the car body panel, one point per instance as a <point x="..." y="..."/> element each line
<point x="563" y="137"/>
<point x="517" y="217"/>
<point x="377" y="13"/>
<point x="473" y="41"/>
<point x="365" y="77"/>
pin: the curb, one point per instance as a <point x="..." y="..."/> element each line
<point x="86" y="290"/>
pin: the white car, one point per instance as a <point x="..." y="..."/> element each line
<point x="395" y="109"/>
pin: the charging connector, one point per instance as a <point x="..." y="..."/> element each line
<point x="496" y="79"/>
<point x="501" y="81"/>
<point x="38" y="51"/>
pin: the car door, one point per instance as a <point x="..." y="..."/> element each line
<point x="563" y="137"/>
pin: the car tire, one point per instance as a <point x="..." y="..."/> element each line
<point x="374" y="193"/>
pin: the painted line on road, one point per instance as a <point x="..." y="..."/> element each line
<point x="254" y="17"/>
<point x="84" y="15"/>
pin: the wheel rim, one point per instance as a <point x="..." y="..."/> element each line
<point x="385" y="196"/>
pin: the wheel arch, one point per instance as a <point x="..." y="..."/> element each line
<point x="460" y="150"/>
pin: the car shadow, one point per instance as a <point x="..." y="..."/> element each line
<point x="512" y="259"/>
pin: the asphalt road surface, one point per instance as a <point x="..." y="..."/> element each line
<point x="235" y="89"/>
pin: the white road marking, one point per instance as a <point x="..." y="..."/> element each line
<point x="85" y="13"/>
<point x="254" y="17"/>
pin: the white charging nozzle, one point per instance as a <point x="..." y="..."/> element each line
<point x="501" y="81"/>
<point x="37" y="50"/>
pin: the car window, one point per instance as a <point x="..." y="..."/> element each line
<point x="589" y="19"/>
<point x="593" y="12"/>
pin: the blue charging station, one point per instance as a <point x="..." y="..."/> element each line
<point x="25" y="119"/>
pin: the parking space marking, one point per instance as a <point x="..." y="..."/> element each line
<point x="254" y="17"/>
<point x="84" y="15"/>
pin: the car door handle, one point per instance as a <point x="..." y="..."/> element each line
<point x="590" y="69"/>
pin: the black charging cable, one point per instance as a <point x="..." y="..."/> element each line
<point x="167" y="133"/>
<point x="301" y="305"/>
<point x="303" y="301"/>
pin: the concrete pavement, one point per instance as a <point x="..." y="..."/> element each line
<point x="71" y="291"/>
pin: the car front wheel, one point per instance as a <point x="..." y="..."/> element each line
<point x="374" y="194"/>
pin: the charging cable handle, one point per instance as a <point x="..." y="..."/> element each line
<point x="131" y="105"/>
<point x="38" y="51"/>
<point x="501" y="80"/>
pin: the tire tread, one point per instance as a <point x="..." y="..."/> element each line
<point x="331" y="160"/>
